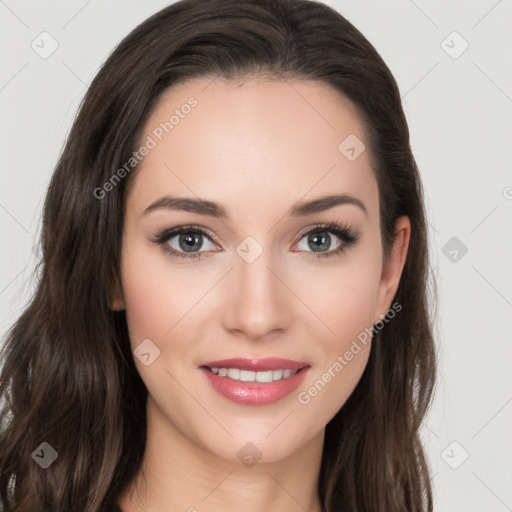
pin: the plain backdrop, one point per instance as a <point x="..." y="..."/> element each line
<point x="453" y="63"/>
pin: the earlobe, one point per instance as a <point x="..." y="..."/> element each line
<point x="393" y="267"/>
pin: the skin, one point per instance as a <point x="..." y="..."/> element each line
<point x="256" y="147"/>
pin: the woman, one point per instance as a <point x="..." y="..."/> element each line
<point x="232" y="308"/>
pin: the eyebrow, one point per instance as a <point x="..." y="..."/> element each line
<point x="213" y="209"/>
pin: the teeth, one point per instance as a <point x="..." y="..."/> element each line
<point x="263" y="376"/>
<point x="250" y="376"/>
<point x="234" y="373"/>
<point x="277" y="374"/>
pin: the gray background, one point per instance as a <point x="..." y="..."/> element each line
<point x="458" y="107"/>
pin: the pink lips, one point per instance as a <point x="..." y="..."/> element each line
<point x="255" y="393"/>
<point x="257" y="365"/>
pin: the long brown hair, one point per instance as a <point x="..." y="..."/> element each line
<point x="68" y="377"/>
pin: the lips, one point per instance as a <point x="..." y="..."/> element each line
<point x="256" y="392"/>
<point x="257" y="365"/>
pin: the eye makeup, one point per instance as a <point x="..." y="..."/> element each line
<point x="347" y="236"/>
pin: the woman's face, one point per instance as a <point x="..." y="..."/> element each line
<point x="254" y="278"/>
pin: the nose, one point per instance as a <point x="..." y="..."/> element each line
<point x="259" y="302"/>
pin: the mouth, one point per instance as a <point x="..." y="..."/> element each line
<point x="255" y="382"/>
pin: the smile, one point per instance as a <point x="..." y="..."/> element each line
<point x="255" y="382"/>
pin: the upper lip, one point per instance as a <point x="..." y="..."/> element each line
<point x="257" y="365"/>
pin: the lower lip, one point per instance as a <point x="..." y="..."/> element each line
<point x="255" y="393"/>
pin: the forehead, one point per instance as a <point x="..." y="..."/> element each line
<point x="264" y="140"/>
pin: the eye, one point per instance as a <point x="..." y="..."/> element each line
<point x="184" y="241"/>
<point x="321" y="239"/>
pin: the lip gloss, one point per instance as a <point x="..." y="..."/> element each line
<point x="255" y="393"/>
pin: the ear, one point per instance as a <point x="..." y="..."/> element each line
<point x="116" y="302"/>
<point x="392" y="268"/>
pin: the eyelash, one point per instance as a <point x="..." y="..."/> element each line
<point x="346" y="234"/>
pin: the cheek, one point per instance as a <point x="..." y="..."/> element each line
<point x="156" y="299"/>
<point x="159" y="305"/>
<point x="353" y="305"/>
<point x="345" y="299"/>
<point x="347" y="308"/>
